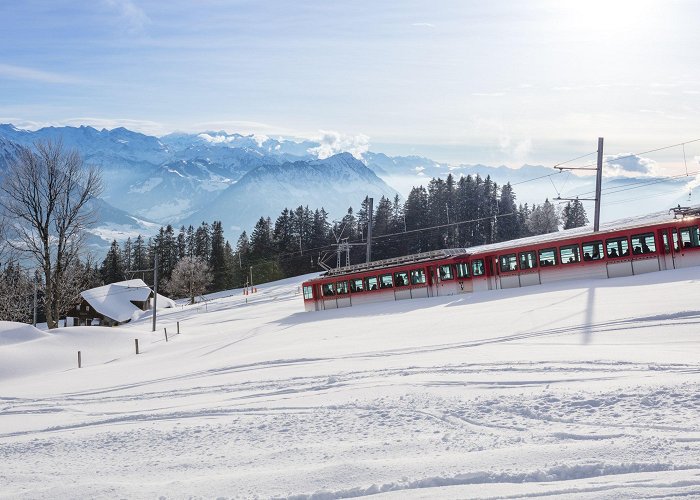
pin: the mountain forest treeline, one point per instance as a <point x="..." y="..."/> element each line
<point x="448" y="213"/>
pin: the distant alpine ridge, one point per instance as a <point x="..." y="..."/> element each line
<point x="190" y="178"/>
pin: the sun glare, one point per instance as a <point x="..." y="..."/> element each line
<point x="607" y="15"/>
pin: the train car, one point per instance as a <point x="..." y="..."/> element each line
<point x="657" y="242"/>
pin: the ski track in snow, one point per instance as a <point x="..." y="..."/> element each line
<point x="232" y="408"/>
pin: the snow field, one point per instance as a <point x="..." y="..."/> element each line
<point x="582" y="388"/>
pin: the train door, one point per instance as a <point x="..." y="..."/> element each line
<point x="667" y="255"/>
<point x="492" y="272"/>
<point x="432" y="281"/>
<point x="318" y="298"/>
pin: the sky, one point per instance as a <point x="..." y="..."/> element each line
<point x="461" y="81"/>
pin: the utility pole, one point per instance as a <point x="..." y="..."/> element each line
<point x="370" y="217"/>
<point x="598" y="182"/>
<point x="155" y="290"/>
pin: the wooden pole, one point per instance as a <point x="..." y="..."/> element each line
<point x="166" y="334"/>
<point x="155" y="290"/>
<point x="178" y="328"/>
<point x="136" y="343"/>
<point x="80" y="361"/>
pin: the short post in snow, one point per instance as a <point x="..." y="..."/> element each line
<point x="166" y="334"/>
<point x="178" y="328"/>
<point x="80" y="360"/>
<point x="136" y="343"/>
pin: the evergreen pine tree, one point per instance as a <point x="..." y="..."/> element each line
<point x="507" y="225"/>
<point x="111" y="270"/>
<point x="217" y="259"/>
<point x="543" y="219"/>
<point x="574" y="215"/>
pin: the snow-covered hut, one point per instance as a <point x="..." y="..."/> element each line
<point x="114" y="304"/>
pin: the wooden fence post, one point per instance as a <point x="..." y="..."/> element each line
<point x="80" y="361"/>
<point x="178" y="328"/>
<point x="166" y="334"/>
<point x="136" y="342"/>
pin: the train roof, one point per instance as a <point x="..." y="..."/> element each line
<point x="653" y="219"/>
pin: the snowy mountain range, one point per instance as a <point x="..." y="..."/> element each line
<point x="189" y="178"/>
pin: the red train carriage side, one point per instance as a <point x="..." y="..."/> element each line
<point x="622" y="248"/>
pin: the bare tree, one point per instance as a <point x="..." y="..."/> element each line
<point x="46" y="197"/>
<point x="190" y="277"/>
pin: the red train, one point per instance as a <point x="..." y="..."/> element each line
<point x="623" y="248"/>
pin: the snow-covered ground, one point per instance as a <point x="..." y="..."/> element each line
<point x="587" y="389"/>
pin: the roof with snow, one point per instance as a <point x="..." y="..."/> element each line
<point x="116" y="300"/>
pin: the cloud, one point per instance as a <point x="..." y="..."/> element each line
<point x="629" y="165"/>
<point x="259" y="139"/>
<point x="132" y="17"/>
<point x="332" y="142"/>
<point x="518" y="151"/>
<point x="488" y="94"/>
<point x="23" y="73"/>
<point x="423" y="25"/>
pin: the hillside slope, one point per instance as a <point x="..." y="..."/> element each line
<point x="587" y="389"/>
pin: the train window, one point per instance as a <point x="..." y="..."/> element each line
<point x="689" y="237"/>
<point x="617" y="247"/>
<point x="446" y="272"/>
<point x="417" y="277"/>
<point x="528" y="260"/>
<point x="508" y="263"/>
<point x="356" y="285"/>
<point x="371" y="283"/>
<point x="341" y="287"/>
<point x="401" y="278"/>
<point x="385" y="281"/>
<point x="328" y="289"/>
<point x="569" y="254"/>
<point x="548" y="257"/>
<point x="462" y="270"/>
<point x="675" y="240"/>
<point x="643" y="243"/>
<point x="592" y="250"/>
<point x="478" y="267"/>
<point x="308" y="292"/>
